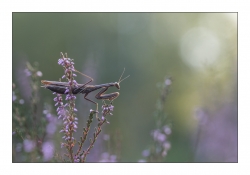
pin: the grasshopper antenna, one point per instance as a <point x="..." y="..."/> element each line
<point x="122" y="75"/>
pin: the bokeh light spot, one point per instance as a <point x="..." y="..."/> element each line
<point x="199" y="48"/>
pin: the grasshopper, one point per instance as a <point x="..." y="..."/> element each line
<point x="60" y="88"/>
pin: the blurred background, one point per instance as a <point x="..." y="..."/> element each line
<point x="197" y="50"/>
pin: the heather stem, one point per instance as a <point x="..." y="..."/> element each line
<point x="85" y="133"/>
<point x="96" y="133"/>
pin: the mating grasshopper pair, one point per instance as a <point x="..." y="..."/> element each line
<point x="61" y="87"/>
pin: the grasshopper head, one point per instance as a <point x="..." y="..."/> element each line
<point x="117" y="85"/>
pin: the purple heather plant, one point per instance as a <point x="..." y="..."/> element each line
<point x="33" y="132"/>
<point x="106" y="110"/>
<point x="30" y="128"/>
<point x="67" y="111"/>
<point x="70" y="121"/>
<point x="158" y="150"/>
<point x="106" y="157"/>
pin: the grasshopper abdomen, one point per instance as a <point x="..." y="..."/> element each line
<point x="59" y="87"/>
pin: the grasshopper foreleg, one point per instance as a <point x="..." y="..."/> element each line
<point x="85" y="97"/>
<point x="109" y="97"/>
<point x="103" y="96"/>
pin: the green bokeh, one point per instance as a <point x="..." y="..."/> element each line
<point x="148" y="46"/>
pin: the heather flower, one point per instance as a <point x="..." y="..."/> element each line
<point x="164" y="153"/>
<point x="51" y="128"/>
<point x="29" y="145"/>
<point x="112" y="158"/>
<point x="21" y="101"/>
<point x="106" y="137"/>
<point x="161" y="137"/>
<point x="48" y="149"/>
<point x="167" y="130"/>
<point x="142" y="161"/>
<point x="76" y="159"/>
<point x="106" y="110"/>
<point x="106" y="157"/>
<point x="27" y="72"/>
<point x="200" y="115"/>
<point x="39" y="73"/>
<point x="166" y="145"/>
<point x="162" y="144"/>
<point x="63" y="145"/>
<point x="14" y="97"/>
<point x="168" y="82"/>
<point x="66" y="63"/>
<point x="155" y="133"/>
<point x="145" y="153"/>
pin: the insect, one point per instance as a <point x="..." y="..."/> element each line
<point x="61" y="87"/>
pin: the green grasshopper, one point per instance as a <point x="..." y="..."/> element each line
<point x="61" y="87"/>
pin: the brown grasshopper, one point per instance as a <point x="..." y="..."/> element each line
<point x="60" y="88"/>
